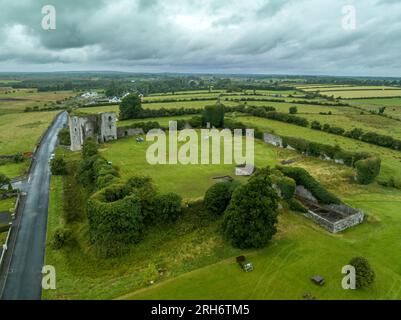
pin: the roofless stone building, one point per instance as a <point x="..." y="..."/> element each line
<point x="102" y="127"/>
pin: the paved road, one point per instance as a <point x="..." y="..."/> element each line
<point x="22" y="268"/>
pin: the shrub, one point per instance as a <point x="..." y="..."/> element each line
<point x="89" y="148"/>
<point x="62" y="237"/>
<point x="316" y="125"/>
<point x="367" y="170"/>
<point x="293" y="110"/>
<point x="143" y="187"/>
<point x="214" y="115"/>
<point x="64" y="137"/>
<point x="295" y="205"/>
<point x="168" y="207"/>
<point x="355" y="133"/>
<point x="302" y="177"/>
<point x="18" y="158"/>
<point x="365" y="275"/>
<point x="195" y="122"/>
<point x="251" y="217"/>
<point x="58" y="166"/>
<point x="4" y="181"/>
<point x="115" y="219"/>
<point x="287" y="187"/>
<point x="217" y="198"/>
<point x="130" y="107"/>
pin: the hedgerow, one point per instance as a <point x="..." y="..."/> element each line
<point x="302" y="177"/>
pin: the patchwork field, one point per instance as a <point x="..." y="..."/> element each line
<point x="391" y="159"/>
<point x="197" y="263"/>
<point x="16" y="100"/>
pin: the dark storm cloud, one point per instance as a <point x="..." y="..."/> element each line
<point x="263" y="36"/>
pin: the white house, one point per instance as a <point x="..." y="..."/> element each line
<point x="115" y="100"/>
<point x="89" y="94"/>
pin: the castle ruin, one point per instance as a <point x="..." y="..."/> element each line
<point x="102" y="127"/>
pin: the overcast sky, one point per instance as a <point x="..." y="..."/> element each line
<point x="222" y="36"/>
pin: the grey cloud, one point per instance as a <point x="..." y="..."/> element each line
<point x="277" y="36"/>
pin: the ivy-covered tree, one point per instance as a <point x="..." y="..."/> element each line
<point x="89" y="148"/>
<point x="217" y="197"/>
<point x="130" y="107"/>
<point x="251" y="217"/>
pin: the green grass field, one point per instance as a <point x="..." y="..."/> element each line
<point x="20" y="132"/>
<point x="391" y="159"/>
<point x="7" y="204"/>
<point x="18" y="99"/>
<point x="199" y="264"/>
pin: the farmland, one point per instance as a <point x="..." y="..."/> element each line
<point x="196" y="261"/>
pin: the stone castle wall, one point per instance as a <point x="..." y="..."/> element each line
<point x="101" y="127"/>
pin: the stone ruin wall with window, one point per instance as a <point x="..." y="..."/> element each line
<point x="102" y="127"/>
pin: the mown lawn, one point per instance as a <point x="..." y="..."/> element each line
<point x="190" y="181"/>
<point x="300" y="250"/>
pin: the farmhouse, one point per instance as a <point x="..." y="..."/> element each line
<point x="102" y="127"/>
<point x="88" y="95"/>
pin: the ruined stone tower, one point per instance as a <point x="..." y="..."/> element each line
<point x="102" y="127"/>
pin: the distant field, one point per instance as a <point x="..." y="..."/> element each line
<point x="15" y="102"/>
<point x="348" y="88"/>
<point x="162" y="121"/>
<point x="391" y="159"/>
<point x="349" y="94"/>
<point x="393" y="105"/>
<point x="20" y="132"/>
<point x="367" y="122"/>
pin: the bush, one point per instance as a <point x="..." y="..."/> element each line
<point x="89" y="148"/>
<point x="62" y="237"/>
<point x="195" y="122"/>
<point x="365" y="275"/>
<point x="130" y="107"/>
<point x="316" y="125"/>
<point x="58" y="166"/>
<point x="143" y="187"/>
<point x="18" y="158"/>
<point x="293" y="110"/>
<point x="287" y="187"/>
<point x="214" y="115"/>
<point x="217" y="198"/>
<point x="64" y="137"/>
<point x="251" y="217"/>
<point x="295" y="205"/>
<point x="302" y="177"/>
<point x="4" y="181"/>
<point x="168" y="207"/>
<point x="115" y="219"/>
<point x="367" y="170"/>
